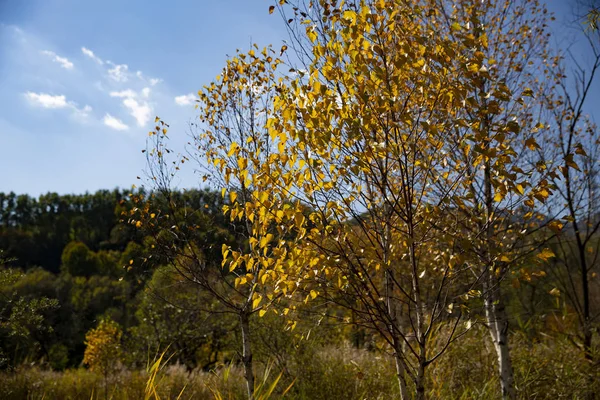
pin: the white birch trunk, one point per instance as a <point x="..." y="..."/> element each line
<point x="498" y="324"/>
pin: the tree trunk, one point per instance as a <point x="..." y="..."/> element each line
<point x="420" y="379"/>
<point x="585" y="286"/>
<point x="247" y="354"/>
<point x="498" y="324"/>
<point x="495" y="310"/>
<point x="420" y="328"/>
<point x="400" y="370"/>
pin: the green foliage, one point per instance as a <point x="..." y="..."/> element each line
<point x="175" y="314"/>
<point x="23" y="318"/>
<point x="58" y="356"/>
<point x="78" y="260"/>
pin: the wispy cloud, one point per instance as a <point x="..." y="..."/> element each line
<point x="64" y="62"/>
<point x="123" y="93"/>
<point x="50" y="101"/>
<point x="46" y="100"/>
<point x="114" y="123"/>
<point x="186" y="99"/>
<point x="140" y="111"/>
<point x="152" y="81"/>
<point x="118" y="72"/>
<point x="91" y="55"/>
<point x="82" y="113"/>
<point x="133" y="90"/>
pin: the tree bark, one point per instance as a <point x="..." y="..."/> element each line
<point x="420" y="379"/>
<point x="495" y="309"/>
<point x="420" y="328"/>
<point x="400" y="370"/>
<point x="498" y="325"/>
<point x="247" y="354"/>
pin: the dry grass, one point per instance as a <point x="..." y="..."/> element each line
<point x="551" y="369"/>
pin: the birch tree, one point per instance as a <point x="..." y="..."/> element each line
<point x="372" y="126"/>
<point x="229" y="143"/>
<point x="507" y="179"/>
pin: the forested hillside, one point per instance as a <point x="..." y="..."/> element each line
<point x="73" y="260"/>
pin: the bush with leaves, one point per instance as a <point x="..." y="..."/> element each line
<point x="103" y="352"/>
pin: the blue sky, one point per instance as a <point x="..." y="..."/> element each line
<point x="81" y="81"/>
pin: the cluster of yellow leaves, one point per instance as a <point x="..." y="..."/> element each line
<point x="103" y="347"/>
<point x="390" y="125"/>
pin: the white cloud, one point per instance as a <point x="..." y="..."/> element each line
<point x="140" y="111"/>
<point x="64" y="62"/>
<point x="118" y="72"/>
<point x="91" y="55"/>
<point x="186" y="99"/>
<point x="82" y="113"/>
<point x="114" y="123"/>
<point x="47" y="100"/>
<point x="154" y="81"/>
<point x="123" y="93"/>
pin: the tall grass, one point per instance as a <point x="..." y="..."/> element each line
<point x="544" y="369"/>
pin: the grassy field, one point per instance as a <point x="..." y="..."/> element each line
<point x="543" y="370"/>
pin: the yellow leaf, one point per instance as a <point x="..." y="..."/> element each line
<point x="262" y="312"/>
<point x="520" y="189"/>
<point x="546" y="254"/>
<point x="271" y="9"/>
<point x="264" y="241"/>
<point x="532" y="144"/>
<point x="555" y="226"/>
<point x="529" y="203"/>
<point x="542" y="194"/>
<point x="313" y="294"/>
<point x="483" y="39"/>
<point x="256" y="301"/>
<point x="232" y="197"/>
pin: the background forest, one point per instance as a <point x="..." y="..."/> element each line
<point x="400" y="202"/>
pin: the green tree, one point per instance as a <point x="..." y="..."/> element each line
<point x="24" y="325"/>
<point x="78" y="260"/>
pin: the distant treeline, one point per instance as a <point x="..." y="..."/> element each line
<point x="72" y="260"/>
